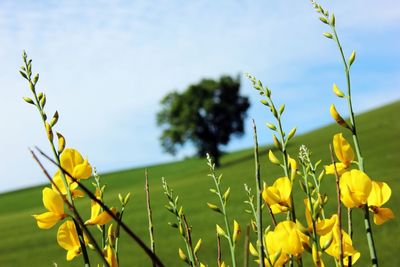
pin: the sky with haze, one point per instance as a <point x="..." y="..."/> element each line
<point x="105" y="65"/>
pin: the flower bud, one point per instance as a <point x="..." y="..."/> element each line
<point x="220" y="231"/>
<point x="337" y="91"/>
<point x="198" y="245"/>
<point x="271" y="126"/>
<point x="54" y="120"/>
<point x="61" y="142"/>
<point x="236" y="231"/>
<point x="292" y="133"/>
<point x="49" y="132"/>
<point x="214" y="207"/>
<point x="273" y="158"/>
<point x="253" y="250"/>
<point x="336" y="116"/>
<point x="277" y="143"/>
<point x="328" y="35"/>
<point x="28" y="100"/>
<point x="352" y="58"/>
<point x="182" y="255"/>
<point x="324" y="20"/>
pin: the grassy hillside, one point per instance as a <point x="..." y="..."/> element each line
<point x="22" y="243"/>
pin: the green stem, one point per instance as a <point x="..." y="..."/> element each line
<point x="57" y="157"/>
<point x="367" y="222"/>
<point x="260" y="239"/>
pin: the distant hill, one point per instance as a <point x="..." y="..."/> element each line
<point x="24" y="244"/>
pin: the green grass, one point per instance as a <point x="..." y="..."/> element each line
<point x="23" y="244"/>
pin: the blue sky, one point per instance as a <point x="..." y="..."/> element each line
<point x="105" y="65"/>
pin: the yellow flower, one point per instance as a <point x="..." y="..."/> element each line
<point x="286" y="238"/>
<point x="379" y="195"/>
<point x="344" y="154"/>
<point x="74" y="164"/>
<point x="322" y="226"/>
<point x="355" y="187"/>
<point x="67" y="238"/>
<point x="55" y="206"/>
<point x="277" y="196"/>
<point x="347" y="247"/>
<point x="97" y="217"/>
<point x="110" y="256"/>
<point x="72" y="161"/>
<point x="58" y="183"/>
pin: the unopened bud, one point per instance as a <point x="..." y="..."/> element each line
<point x="49" y="132"/>
<point x="352" y="58"/>
<point x="198" y="245"/>
<point x="337" y="91"/>
<point x="324" y="20"/>
<point x="328" y="35"/>
<point x="182" y="255"/>
<point x="28" y="100"/>
<point x="236" y="231"/>
<point x="277" y="143"/>
<point x="214" y="207"/>
<point x="336" y="116"/>
<point x="226" y="194"/>
<point x="220" y="231"/>
<point x="54" y="120"/>
<point x="273" y="158"/>
<point x="271" y="126"/>
<point x="292" y="133"/>
<point x="61" y="142"/>
<point x="253" y="251"/>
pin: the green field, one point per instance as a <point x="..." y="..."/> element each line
<point x="23" y="244"/>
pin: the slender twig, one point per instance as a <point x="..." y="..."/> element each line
<point x="78" y="221"/>
<point x="223" y="203"/>
<point x="246" y="247"/>
<point x="219" y="256"/>
<point x="350" y="230"/>
<point x="260" y="242"/>
<point x="142" y="245"/>
<point x="149" y="215"/>
<point x="339" y="208"/>
<point x="367" y="222"/>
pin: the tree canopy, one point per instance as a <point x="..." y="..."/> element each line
<point x="206" y="114"/>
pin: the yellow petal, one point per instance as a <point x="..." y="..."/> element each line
<point x="102" y="218"/>
<point x="83" y="170"/>
<point x="325" y="226"/>
<point x="284" y="186"/>
<point x="52" y="201"/>
<point x="111" y="257"/>
<point x="69" y="159"/>
<point x="342" y="149"/>
<point x="95" y="210"/>
<point x="355" y="188"/>
<point x="57" y="180"/>
<point x="340" y="168"/>
<point x="379" y="195"/>
<point x="382" y="215"/>
<point x="67" y="236"/>
<point x="71" y="254"/>
<point x="47" y="220"/>
<point x="72" y="161"/>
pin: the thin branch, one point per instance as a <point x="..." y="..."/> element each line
<point x="246" y="246"/>
<point x="149" y="215"/>
<point x="259" y="199"/>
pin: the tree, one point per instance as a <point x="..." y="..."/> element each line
<point x="206" y="114"/>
